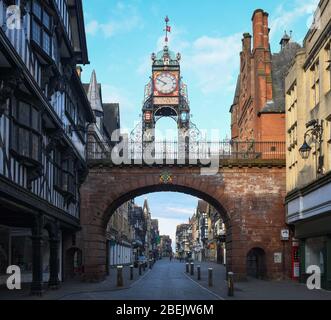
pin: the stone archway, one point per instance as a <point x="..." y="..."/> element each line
<point x="250" y="200"/>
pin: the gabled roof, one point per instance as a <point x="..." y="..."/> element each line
<point x="280" y="64"/>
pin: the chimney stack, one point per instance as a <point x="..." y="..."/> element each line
<point x="247" y="42"/>
<point x="260" y="29"/>
<point x="266" y="30"/>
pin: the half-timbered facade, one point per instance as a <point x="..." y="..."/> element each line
<point x="44" y="113"/>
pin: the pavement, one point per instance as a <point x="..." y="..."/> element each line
<point x="75" y="286"/>
<point x="254" y="289"/>
<point x="169" y="281"/>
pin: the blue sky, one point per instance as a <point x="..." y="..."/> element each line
<point x="122" y="35"/>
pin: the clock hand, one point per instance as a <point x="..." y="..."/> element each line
<point x="162" y="81"/>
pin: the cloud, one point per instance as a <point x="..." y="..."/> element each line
<point x="211" y="62"/>
<point x="214" y="62"/>
<point x="92" y="27"/>
<point x="180" y="210"/>
<point x="123" y="19"/>
<point x="113" y="94"/>
<point x="285" y="17"/>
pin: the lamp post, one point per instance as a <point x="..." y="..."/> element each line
<point x="315" y="132"/>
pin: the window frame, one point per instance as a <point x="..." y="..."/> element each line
<point x="31" y="132"/>
<point x="328" y="67"/>
<point x="64" y="170"/>
<point x="315" y="84"/>
<point x="44" y="29"/>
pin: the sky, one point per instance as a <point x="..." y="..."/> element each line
<point x="121" y="35"/>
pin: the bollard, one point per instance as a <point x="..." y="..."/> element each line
<point x="120" y="276"/>
<point x="144" y="266"/>
<point x="140" y="268"/>
<point x="230" y="284"/>
<point x="187" y="268"/>
<point x="131" y="272"/>
<point x="199" y="272"/>
<point x="210" y="277"/>
<point x="192" y="269"/>
<point x="150" y="264"/>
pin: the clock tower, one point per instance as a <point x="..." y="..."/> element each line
<point x="165" y="94"/>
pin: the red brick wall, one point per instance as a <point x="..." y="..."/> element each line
<point x="273" y="127"/>
<point x="256" y="87"/>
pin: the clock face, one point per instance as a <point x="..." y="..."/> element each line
<point x="166" y="83"/>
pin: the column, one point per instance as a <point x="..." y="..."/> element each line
<point x="54" y="241"/>
<point x="37" y="260"/>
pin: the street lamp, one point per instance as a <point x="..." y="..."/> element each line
<point x="315" y="132"/>
<point x="305" y="150"/>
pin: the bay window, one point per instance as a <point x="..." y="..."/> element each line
<point x="25" y="133"/>
<point x="64" y="173"/>
<point x="41" y="27"/>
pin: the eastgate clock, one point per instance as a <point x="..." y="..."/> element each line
<point x="166" y="83"/>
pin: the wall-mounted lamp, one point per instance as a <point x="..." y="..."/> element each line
<point x="315" y="132"/>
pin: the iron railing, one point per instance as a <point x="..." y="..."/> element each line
<point x="165" y="150"/>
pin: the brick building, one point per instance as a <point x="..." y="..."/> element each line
<point x="258" y="109"/>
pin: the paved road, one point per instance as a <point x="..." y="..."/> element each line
<point x="166" y="281"/>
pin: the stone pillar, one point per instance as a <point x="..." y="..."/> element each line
<point x="54" y="281"/>
<point x="37" y="258"/>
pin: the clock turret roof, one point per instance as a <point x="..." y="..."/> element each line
<point x="163" y="54"/>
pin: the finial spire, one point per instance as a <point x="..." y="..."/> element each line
<point x="167" y="29"/>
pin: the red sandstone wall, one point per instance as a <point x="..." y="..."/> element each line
<point x="252" y="197"/>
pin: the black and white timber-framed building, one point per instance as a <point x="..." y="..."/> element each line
<point x="44" y="116"/>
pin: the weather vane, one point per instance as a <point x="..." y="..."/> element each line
<point x="167" y="29"/>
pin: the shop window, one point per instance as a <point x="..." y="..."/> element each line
<point x="4" y="250"/>
<point x="22" y="252"/>
<point x="315" y="253"/>
<point x="25" y="133"/>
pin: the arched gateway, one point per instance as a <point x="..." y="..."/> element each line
<point x="247" y="185"/>
<point x="249" y="194"/>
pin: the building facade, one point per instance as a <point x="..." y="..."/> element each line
<point x="119" y="237"/>
<point x="258" y="109"/>
<point x="183" y="241"/>
<point x="44" y="112"/>
<point x="165" y="246"/>
<point x="308" y="101"/>
<point x="119" y="233"/>
<point x="155" y="246"/>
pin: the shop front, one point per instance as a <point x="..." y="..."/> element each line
<point x="16" y="249"/>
